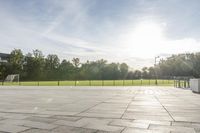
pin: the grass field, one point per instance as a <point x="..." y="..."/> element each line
<point x="94" y="83"/>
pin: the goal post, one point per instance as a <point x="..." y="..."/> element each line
<point x="12" y="78"/>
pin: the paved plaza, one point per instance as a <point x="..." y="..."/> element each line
<point x="98" y="110"/>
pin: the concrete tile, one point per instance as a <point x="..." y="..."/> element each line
<point x="128" y="123"/>
<point x="136" y="130"/>
<point x="40" y="125"/>
<point x="84" y="106"/>
<point x="67" y="118"/>
<point x="67" y="129"/>
<point x="154" y="122"/>
<point x="28" y="123"/>
<point x="100" y="115"/>
<point x="12" y="128"/>
<point x="172" y="128"/>
<point x="41" y="119"/>
<point x="147" y="117"/>
<point x="36" y="131"/>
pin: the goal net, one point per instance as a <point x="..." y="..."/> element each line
<point x="12" y="78"/>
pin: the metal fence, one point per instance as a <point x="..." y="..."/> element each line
<point x="181" y="83"/>
<point x="141" y="82"/>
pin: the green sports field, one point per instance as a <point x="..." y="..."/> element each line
<point x="145" y="82"/>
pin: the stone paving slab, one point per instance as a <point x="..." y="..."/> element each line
<point x="27" y="123"/>
<point x="12" y="128"/>
<point x="136" y="130"/>
<point x="98" y="110"/>
<point x="172" y="128"/>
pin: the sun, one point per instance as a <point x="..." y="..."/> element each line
<point x="145" y="39"/>
<point x="147" y="32"/>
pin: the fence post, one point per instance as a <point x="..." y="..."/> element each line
<point x="38" y="83"/>
<point x="141" y="81"/>
<point x="149" y="82"/>
<point x="123" y="83"/>
<point x="102" y="83"/>
<point x="114" y="82"/>
<point x="184" y="83"/>
<point x="90" y="82"/>
<point x="75" y="82"/>
<point x="58" y="83"/>
<point x="174" y="83"/>
<point x="132" y="82"/>
<point x="179" y="84"/>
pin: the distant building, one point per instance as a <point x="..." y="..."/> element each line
<point x="4" y="57"/>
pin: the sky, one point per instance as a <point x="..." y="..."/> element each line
<point x="130" y="31"/>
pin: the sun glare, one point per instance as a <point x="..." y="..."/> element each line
<point x="145" y="39"/>
<point x="149" y="32"/>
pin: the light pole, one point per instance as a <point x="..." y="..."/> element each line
<point x="156" y="76"/>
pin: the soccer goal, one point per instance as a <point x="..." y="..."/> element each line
<point x="12" y="78"/>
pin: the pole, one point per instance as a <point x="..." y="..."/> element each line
<point x="179" y="83"/>
<point x="18" y="79"/>
<point x="156" y="82"/>
<point x="174" y="84"/>
<point x="184" y="83"/>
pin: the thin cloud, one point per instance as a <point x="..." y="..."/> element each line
<point x="132" y="31"/>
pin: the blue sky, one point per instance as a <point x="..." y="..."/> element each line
<point x="131" y="31"/>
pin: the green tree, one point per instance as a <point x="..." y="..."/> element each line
<point x="151" y="72"/>
<point x="123" y="70"/>
<point x="137" y="74"/>
<point x="52" y="63"/>
<point x="66" y="70"/>
<point x="16" y="61"/>
<point x="76" y="62"/>
<point x="111" y="71"/>
<point x="35" y="65"/>
<point x="145" y="72"/>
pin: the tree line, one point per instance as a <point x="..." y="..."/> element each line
<point x="35" y="66"/>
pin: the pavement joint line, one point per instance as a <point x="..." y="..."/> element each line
<point x="65" y="115"/>
<point x="26" y="130"/>
<point x="123" y="130"/>
<point x="164" y="108"/>
<point x="148" y="126"/>
<point x="74" y="127"/>
<point x="19" y="113"/>
<point x="92" y="107"/>
<point x="128" y="105"/>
